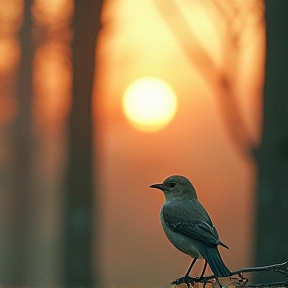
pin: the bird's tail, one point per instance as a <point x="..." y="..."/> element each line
<point x="213" y="257"/>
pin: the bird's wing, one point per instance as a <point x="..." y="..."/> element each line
<point x="191" y="220"/>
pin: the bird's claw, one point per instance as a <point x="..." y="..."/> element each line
<point x="186" y="279"/>
<point x="204" y="280"/>
<point x="189" y="281"/>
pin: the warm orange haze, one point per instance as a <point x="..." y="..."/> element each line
<point x="172" y="80"/>
<point x="196" y="143"/>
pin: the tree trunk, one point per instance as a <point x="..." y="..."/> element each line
<point x="79" y="269"/>
<point x="22" y="141"/>
<point x="272" y="192"/>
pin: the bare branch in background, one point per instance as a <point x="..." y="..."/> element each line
<point x="223" y="79"/>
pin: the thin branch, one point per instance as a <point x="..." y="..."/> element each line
<point x="281" y="268"/>
<point x="242" y="281"/>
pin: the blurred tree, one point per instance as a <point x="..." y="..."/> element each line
<point x="21" y="264"/>
<point x="272" y="158"/>
<point x="237" y="17"/>
<point x="79" y="267"/>
<point x="22" y="141"/>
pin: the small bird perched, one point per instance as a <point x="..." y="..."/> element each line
<point x="188" y="226"/>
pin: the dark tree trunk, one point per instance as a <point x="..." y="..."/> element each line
<point x="79" y="267"/>
<point x="22" y="140"/>
<point x="271" y="243"/>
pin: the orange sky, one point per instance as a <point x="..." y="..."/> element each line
<point x="136" y="42"/>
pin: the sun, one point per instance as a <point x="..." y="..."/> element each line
<point x="149" y="103"/>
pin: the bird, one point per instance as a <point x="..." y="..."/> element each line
<point x="188" y="226"/>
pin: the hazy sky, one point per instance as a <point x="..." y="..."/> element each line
<point x="136" y="42"/>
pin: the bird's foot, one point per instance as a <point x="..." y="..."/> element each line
<point x="204" y="280"/>
<point x="189" y="281"/>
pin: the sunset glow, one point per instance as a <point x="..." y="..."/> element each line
<point x="116" y="134"/>
<point x="149" y="103"/>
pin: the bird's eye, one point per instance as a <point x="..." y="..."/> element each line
<point x="172" y="184"/>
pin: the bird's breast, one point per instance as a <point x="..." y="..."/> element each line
<point x="181" y="242"/>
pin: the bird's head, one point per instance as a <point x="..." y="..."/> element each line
<point x="176" y="187"/>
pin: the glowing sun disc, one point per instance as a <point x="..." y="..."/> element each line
<point x="149" y="103"/>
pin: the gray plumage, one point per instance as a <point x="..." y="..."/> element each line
<point x="187" y="224"/>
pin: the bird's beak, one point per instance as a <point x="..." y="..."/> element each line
<point x="157" y="186"/>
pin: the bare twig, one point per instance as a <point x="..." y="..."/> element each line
<point x="242" y="281"/>
<point x="281" y="268"/>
